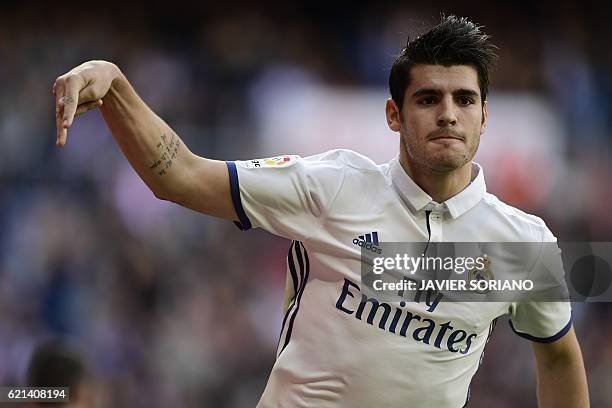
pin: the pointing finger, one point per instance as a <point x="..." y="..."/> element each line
<point x="59" y="113"/>
<point x="67" y="94"/>
<point x="70" y="101"/>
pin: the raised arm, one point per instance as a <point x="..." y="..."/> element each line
<point x="154" y="150"/>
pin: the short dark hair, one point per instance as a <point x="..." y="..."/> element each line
<point x="454" y="41"/>
<point x="55" y="363"/>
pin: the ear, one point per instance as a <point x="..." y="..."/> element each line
<point x="393" y="115"/>
<point x="485" y="115"/>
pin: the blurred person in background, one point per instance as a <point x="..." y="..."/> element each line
<point x="54" y="363"/>
<point x="438" y="105"/>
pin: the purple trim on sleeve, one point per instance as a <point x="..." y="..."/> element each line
<point x="550" y="339"/>
<point x="244" y="223"/>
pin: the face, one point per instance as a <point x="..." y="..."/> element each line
<point x="442" y="118"/>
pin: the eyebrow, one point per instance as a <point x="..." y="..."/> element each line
<point x="437" y="92"/>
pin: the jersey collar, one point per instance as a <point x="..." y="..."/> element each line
<point x="420" y="200"/>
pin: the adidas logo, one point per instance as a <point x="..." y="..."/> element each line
<point x="368" y="241"/>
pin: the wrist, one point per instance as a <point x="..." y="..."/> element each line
<point x="118" y="80"/>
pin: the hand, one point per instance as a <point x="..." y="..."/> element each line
<point x="80" y="90"/>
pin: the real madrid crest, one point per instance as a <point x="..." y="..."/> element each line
<point x="484" y="273"/>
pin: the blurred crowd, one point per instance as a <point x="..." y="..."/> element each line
<point x="172" y="308"/>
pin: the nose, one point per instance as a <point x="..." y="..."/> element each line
<point x="447" y="115"/>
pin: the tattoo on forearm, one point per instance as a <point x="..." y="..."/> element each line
<point x="168" y="149"/>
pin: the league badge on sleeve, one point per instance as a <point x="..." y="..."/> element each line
<point x="278" y="161"/>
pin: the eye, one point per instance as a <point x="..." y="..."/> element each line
<point x="427" y="101"/>
<point x="465" y="101"/>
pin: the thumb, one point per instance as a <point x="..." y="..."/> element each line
<point x="87" y="106"/>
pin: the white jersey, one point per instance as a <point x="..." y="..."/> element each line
<point x="340" y="348"/>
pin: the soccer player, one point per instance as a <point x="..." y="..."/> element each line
<point x="339" y="347"/>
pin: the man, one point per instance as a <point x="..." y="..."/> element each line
<point x="54" y="363"/>
<point x="335" y="348"/>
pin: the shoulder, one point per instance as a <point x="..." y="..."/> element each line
<point x="345" y="157"/>
<point x="355" y="177"/>
<point x="341" y="163"/>
<point x="331" y="159"/>
<point x="529" y="227"/>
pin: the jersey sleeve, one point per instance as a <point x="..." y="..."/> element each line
<point x="548" y="320"/>
<point x="286" y="195"/>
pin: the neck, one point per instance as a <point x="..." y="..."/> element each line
<point x="440" y="186"/>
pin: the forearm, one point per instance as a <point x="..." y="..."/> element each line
<point x="153" y="149"/>
<point x="562" y="383"/>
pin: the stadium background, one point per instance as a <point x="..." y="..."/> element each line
<point x="172" y="308"/>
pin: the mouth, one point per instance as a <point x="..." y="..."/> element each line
<point x="445" y="137"/>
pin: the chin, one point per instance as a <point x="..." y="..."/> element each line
<point x="446" y="164"/>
